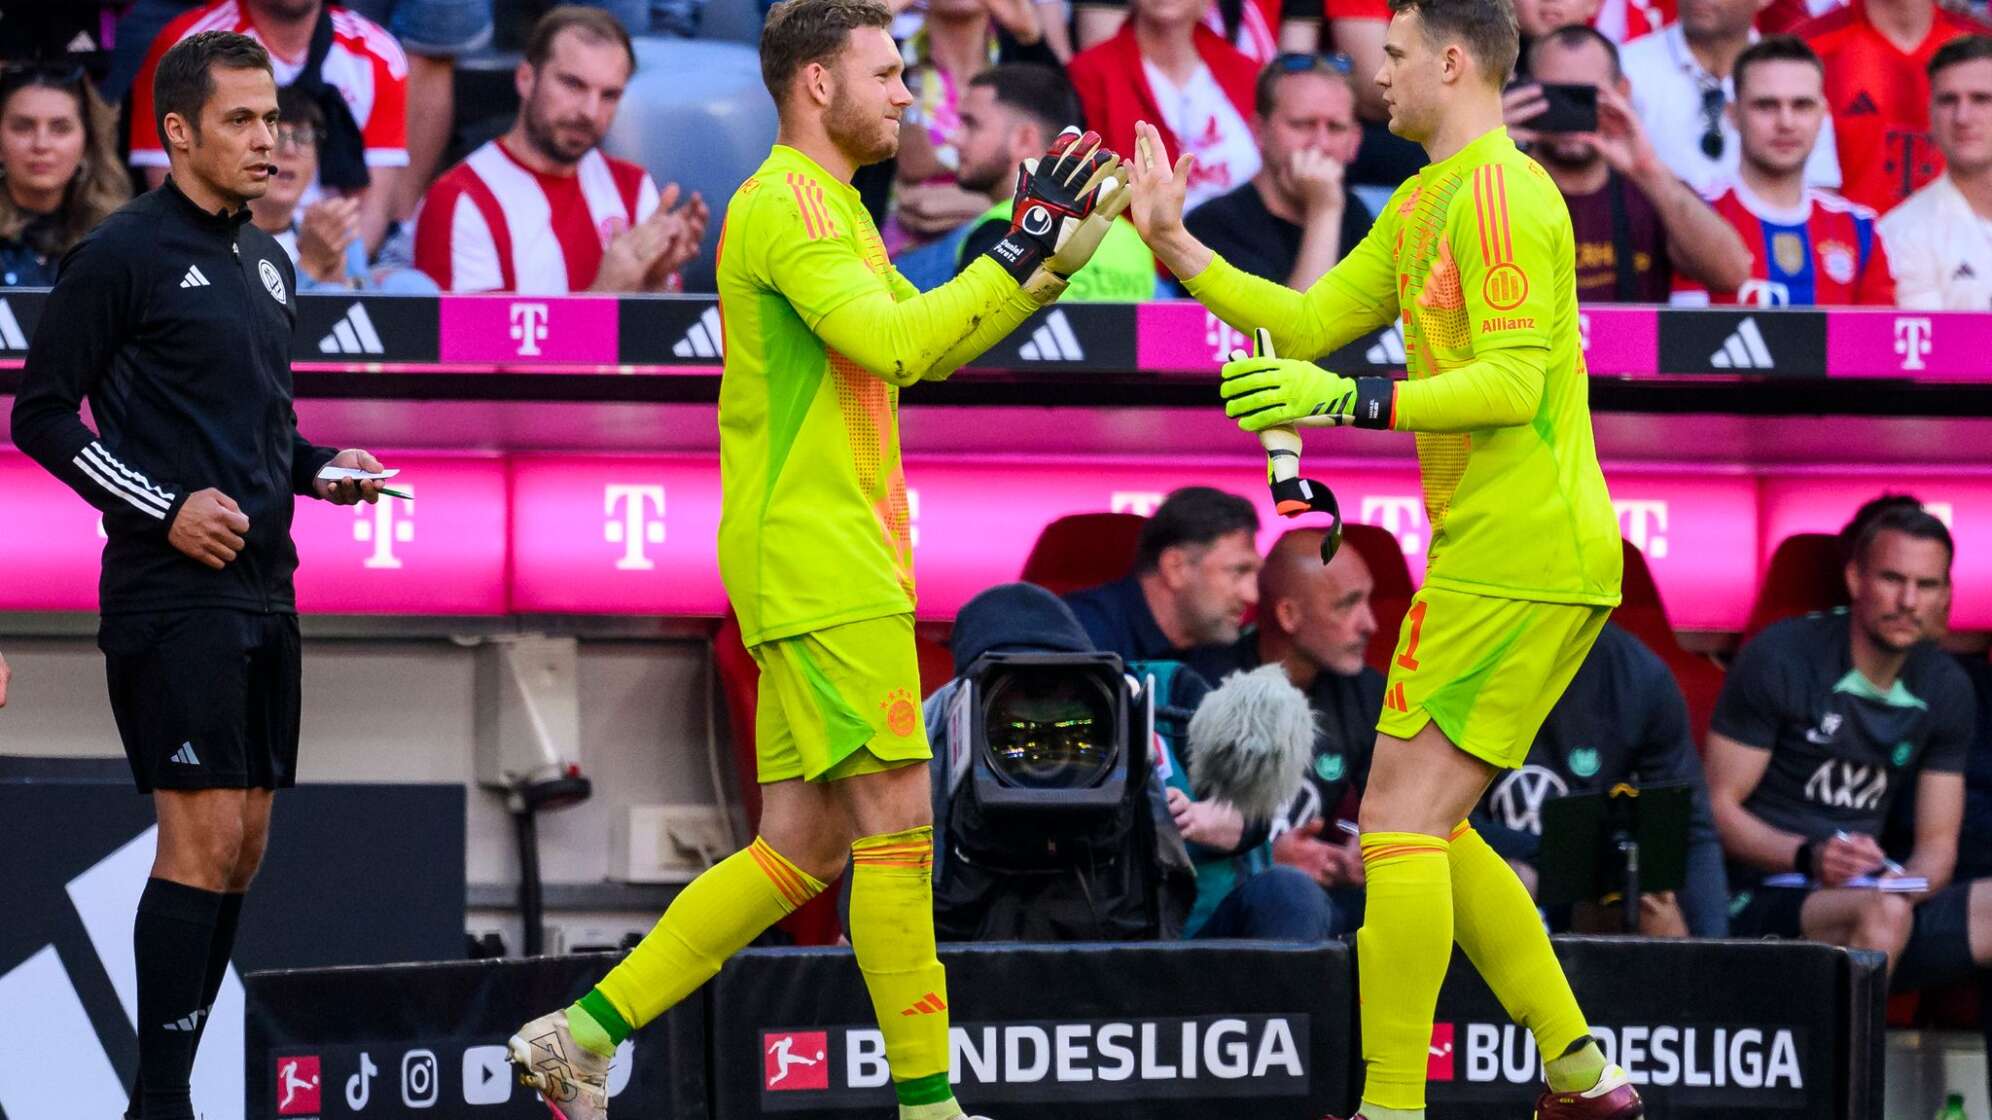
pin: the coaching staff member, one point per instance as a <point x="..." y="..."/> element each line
<point x="174" y="318"/>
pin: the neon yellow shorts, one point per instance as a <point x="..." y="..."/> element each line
<point x="1486" y="670"/>
<point x="839" y="702"/>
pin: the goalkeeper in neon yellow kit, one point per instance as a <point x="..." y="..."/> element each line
<point x="1475" y="255"/>
<point x="815" y="548"/>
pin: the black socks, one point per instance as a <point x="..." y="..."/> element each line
<point x="174" y="940"/>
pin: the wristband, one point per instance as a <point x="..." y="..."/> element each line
<point x="1376" y="402"/>
<point x="1801" y="861"/>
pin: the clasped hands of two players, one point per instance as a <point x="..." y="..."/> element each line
<point x="1066" y="201"/>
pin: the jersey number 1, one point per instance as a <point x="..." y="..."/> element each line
<point x="1408" y="660"/>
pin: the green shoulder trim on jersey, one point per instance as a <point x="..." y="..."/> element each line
<point x="1898" y="695"/>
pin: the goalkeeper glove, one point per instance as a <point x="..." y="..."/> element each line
<point x="1265" y="392"/>
<point x="1065" y="203"/>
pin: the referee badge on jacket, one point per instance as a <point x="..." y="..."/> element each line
<point x="273" y="281"/>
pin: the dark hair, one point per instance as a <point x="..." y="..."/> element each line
<point x="1964" y="48"/>
<point x="295" y="106"/>
<point x="185" y="78"/>
<point x="1573" y="35"/>
<point x="1194" y="515"/>
<point x="592" y="23"/>
<point x="1035" y="90"/>
<point x="100" y="184"/>
<point x="1850" y="532"/>
<point x="1487" y="27"/>
<point x="799" y="32"/>
<point x="1898" y="514"/>
<point x="1334" y="68"/>
<point x="1774" y="48"/>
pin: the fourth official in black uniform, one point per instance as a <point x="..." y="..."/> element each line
<point x="173" y="318"/>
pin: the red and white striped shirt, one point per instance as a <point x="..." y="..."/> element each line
<point x="365" y="65"/>
<point x="493" y="224"/>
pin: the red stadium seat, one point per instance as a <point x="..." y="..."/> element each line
<point x="1082" y="550"/>
<point x="1805" y="574"/>
<point x="1644" y="616"/>
<point x="1392" y="596"/>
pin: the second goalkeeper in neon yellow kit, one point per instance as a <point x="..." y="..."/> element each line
<point x="1474" y="256"/>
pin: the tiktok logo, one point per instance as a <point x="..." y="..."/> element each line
<point x="529" y="327"/>
<point x="1644" y="525"/>
<point x="384" y="526"/>
<point x="633" y="526"/>
<point x="1912" y="340"/>
<point x="1401" y="517"/>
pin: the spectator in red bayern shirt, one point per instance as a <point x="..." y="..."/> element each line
<point x="1808" y="246"/>
<point x="1875" y="53"/>
<point x="541" y="209"/>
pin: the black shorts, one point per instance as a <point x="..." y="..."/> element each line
<point x="205" y="698"/>
<point x="1939" y="948"/>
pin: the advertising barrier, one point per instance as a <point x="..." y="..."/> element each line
<point x="76" y="856"/>
<point x="666" y="335"/>
<point x="1759" y="1029"/>
<point x="415" y="1041"/>
<point x="635" y="534"/>
<point x="1190" y="1030"/>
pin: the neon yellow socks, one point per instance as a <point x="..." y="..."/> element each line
<point x="714" y="917"/>
<point x="1402" y="952"/>
<point x="1498" y="927"/>
<point x="892" y="931"/>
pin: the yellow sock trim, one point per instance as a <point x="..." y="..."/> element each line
<point x="1402" y="952"/>
<point x="714" y="917"/>
<point x="1498" y="927"/>
<point x="892" y="932"/>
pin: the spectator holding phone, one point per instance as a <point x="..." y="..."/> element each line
<point x="1636" y="225"/>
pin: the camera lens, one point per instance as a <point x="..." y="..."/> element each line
<point x="1049" y="728"/>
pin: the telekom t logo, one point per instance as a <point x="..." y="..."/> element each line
<point x="1222" y="339"/>
<point x="1644" y="525"/>
<point x="913" y="517"/>
<point x="385" y="525"/>
<point x="1584" y="331"/>
<point x="639" y="522"/>
<point x="1401" y="517"/>
<point x="1913" y="335"/>
<point x="529" y="327"/>
<point x="1141" y="503"/>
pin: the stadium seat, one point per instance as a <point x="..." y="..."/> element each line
<point x="1082" y="550"/>
<point x="1644" y="616"/>
<point x="696" y="114"/>
<point x="1392" y="594"/>
<point x="1805" y="574"/>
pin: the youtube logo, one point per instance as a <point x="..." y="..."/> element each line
<point x="1439" y="1058"/>
<point x="794" y="1060"/>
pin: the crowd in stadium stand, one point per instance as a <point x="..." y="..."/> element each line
<point x="1762" y="152"/>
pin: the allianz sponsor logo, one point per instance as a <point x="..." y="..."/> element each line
<point x="1740" y="1057"/>
<point x="1219" y="1055"/>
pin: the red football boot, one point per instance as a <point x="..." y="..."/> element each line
<point x="1612" y="1098"/>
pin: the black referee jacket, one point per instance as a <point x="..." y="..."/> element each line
<point x="176" y="325"/>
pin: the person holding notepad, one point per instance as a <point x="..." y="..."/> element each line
<point x="1824" y="723"/>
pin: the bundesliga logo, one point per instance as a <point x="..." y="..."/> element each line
<point x="794" y="1060"/>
